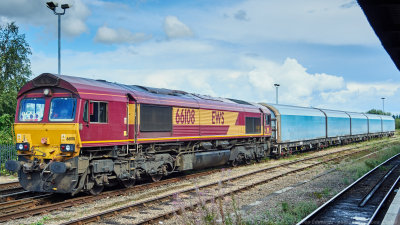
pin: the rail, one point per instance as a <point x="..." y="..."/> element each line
<point x="346" y="207"/>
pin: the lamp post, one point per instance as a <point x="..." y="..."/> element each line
<point x="383" y="104"/>
<point x="53" y="6"/>
<point x="277" y="85"/>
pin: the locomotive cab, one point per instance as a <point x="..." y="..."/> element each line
<point x="57" y="135"/>
<point x="47" y="138"/>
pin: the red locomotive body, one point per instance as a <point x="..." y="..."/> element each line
<point x="88" y="133"/>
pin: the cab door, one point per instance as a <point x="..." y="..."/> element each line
<point x="132" y="108"/>
<point x="104" y="123"/>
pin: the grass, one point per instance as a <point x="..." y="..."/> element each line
<point x="41" y="221"/>
<point x="286" y="213"/>
<point x="322" y="194"/>
<point x="357" y="169"/>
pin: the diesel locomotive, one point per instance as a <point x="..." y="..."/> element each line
<point x="77" y="134"/>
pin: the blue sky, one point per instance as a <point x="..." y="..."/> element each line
<point x="322" y="53"/>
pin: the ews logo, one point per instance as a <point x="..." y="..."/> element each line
<point x="217" y="117"/>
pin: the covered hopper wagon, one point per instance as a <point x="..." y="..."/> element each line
<point x="296" y="128"/>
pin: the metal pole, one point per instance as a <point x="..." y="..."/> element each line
<point x="383" y="105"/>
<point x="59" y="44"/>
<point x="52" y="6"/>
<point x="276" y="97"/>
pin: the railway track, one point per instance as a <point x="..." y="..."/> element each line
<point x="4" y="187"/>
<point x="12" y="193"/>
<point x="46" y="203"/>
<point x="361" y="201"/>
<point x="160" y="206"/>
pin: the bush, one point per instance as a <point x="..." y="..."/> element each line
<point x="6" y="131"/>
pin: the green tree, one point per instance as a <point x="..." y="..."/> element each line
<point x="379" y="112"/>
<point x="14" y="73"/>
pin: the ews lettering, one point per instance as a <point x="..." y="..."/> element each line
<point x="217" y="117"/>
<point x="185" y="116"/>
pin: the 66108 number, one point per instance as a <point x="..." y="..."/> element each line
<point x="185" y="116"/>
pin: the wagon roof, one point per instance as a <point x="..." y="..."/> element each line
<point x="109" y="91"/>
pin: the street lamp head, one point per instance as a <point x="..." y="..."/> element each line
<point x="277" y="85"/>
<point x="382" y="98"/>
<point x="52" y="5"/>
<point x="65" y="6"/>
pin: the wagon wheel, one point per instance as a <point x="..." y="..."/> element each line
<point x="96" y="189"/>
<point x="128" y="183"/>
<point x="156" y="177"/>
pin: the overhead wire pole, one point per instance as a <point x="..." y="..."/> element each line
<point x="53" y="6"/>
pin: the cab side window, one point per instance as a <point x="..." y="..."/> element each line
<point x="268" y="119"/>
<point x="86" y="111"/>
<point x="98" y="112"/>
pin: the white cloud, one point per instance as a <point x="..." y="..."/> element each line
<point x="297" y="86"/>
<point x="356" y="92"/>
<point x="75" y="18"/>
<point x="311" y="21"/>
<point x="241" y="15"/>
<point x="110" y="36"/>
<point x="174" y="28"/>
<point x="252" y="81"/>
<point x="4" y="20"/>
<point x="36" y="13"/>
<point x="230" y="55"/>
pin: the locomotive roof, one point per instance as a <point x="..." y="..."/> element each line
<point x="110" y="91"/>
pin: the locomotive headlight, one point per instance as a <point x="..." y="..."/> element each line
<point x="67" y="148"/>
<point x="22" y="146"/>
<point x="47" y="92"/>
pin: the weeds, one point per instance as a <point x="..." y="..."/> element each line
<point x="41" y="221"/>
<point x="211" y="209"/>
<point x="323" y="194"/>
<point x="358" y="169"/>
<point x="287" y="213"/>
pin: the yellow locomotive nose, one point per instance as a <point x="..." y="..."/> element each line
<point x="48" y="141"/>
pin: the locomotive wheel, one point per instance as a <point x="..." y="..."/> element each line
<point x="234" y="163"/>
<point x="247" y="160"/>
<point x="128" y="183"/>
<point x="96" y="189"/>
<point x="156" y="177"/>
